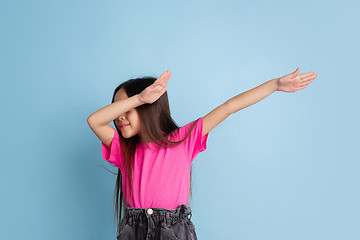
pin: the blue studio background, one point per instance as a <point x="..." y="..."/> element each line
<point x="284" y="168"/>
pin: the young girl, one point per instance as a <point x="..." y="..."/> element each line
<point x="154" y="155"/>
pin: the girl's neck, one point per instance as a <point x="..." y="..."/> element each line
<point x="144" y="141"/>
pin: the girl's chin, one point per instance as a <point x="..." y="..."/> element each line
<point x="126" y="134"/>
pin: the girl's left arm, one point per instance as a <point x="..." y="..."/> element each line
<point x="288" y="83"/>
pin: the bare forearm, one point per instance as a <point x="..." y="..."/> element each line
<point x="251" y="96"/>
<point x="112" y="111"/>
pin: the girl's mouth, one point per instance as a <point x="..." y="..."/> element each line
<point x="124" y="126"/>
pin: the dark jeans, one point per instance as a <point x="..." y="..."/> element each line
<point x="157" y="223"/>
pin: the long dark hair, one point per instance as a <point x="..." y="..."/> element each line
<point x="156" y="124"/>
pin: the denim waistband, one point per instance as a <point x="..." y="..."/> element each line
<point x="156" y="214"/>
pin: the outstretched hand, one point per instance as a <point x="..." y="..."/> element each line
<point x="155" y="90"/>
<point x="294" y="82"/>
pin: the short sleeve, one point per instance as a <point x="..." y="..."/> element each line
<point x="195" y="143"/>
<point x="113" y="154"/>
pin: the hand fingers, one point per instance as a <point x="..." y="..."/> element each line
<point x="162" y="77"/>
<point x="310" y="77"/>
<point x="167" y="79"/>
<point x="304" y="75"/>
<point x="163" y="81"/>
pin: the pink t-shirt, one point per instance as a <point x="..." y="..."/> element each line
<point x="161" y="177"/>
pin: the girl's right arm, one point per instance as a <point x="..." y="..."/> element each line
<point x="99" y="120"/>
<point x="105" y="115"/>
